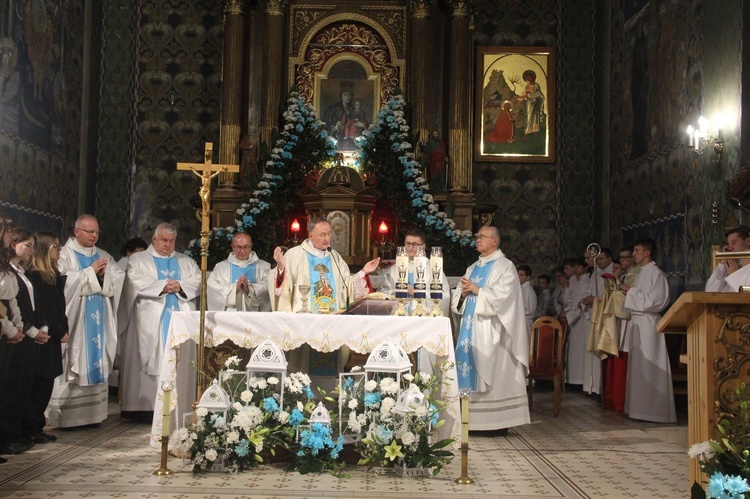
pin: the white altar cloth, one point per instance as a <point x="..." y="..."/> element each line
<point x="324" y="333"/>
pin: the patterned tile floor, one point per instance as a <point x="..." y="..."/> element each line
<point x="586" y="452"/>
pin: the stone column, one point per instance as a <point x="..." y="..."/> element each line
<point x="226" y="199"/>
<point x="273" y="58"/>
<point x="231" y="90"/>
<point x="459" y="113"/>
<point x="417" y="76"/>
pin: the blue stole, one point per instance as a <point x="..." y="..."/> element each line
<point x="167" y="268"/>
<point x="322" y="284"/>
<point x="93" y="321"/>
<point x="467" y="368"/>
<point x="237" y="272"/>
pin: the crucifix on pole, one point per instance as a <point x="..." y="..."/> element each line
<point x="205" y="171"/>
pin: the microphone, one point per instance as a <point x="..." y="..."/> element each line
<point x="346" y="287"/>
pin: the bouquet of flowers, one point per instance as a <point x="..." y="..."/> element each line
<point x="255" y="422"/>
<point x="317" y="451"/>
<point x="398" y="427"/>
<point x="727" y="463"/>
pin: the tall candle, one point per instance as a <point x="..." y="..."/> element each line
<point x="421" y="267"/>
<point x="465" y="418"/>
<point x="402" y="270"/>
<point x="165" y="411"/>
<point x="436" y="273"/>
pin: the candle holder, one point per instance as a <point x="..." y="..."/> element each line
<point x="401" y="309"/>
<point x="464" y="478"/>
<point x="435" y="310"/>
<point x="419" y="310"/>
<point x="166" y="414"/>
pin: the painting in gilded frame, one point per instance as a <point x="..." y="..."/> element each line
<point x="515" y="104"/>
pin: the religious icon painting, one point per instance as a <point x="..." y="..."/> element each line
<point x="515" y="104"/>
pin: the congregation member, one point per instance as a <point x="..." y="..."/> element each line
<point x="648" y="394"/>
<point x="13" y="344"/>
<point x="414" y="239"/>
<point x="23" y="365"/>
<point x="49" y="300"/>
<point x="528" y="295"/>
<point x="159" y="281"/>
<point x="592" y="366"/>
<point x="135" y="245"/>
<point x="241" y="281"/>
<point x="315" y="263"/>
<point x="492" y="354"/>
<point x="544" y="304"/>
<point x="92" y="277"/>
<point x="578" y="323"/>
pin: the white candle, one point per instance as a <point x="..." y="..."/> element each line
<point x="465" y="419"/>
<point x="402" y="271"/>
<point x="165" y="411"/>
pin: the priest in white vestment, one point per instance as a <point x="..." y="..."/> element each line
<point x="492" y="355"/>
<point x="414" y="239"/>
<point x="160" y="281"/>
<point x="240" y="283"/>
<point x="80" y="394"/>
<point x="738" y="239"/>
<point x="314" y="277"/>
<point x="649" y="394"/>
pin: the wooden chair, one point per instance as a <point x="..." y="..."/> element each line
<point x="546" y="347"/>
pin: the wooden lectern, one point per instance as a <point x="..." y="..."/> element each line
<point x="718" y="332"/>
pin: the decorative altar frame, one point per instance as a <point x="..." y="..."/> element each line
<point x="324" y="333"/>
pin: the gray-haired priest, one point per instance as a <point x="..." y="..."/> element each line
<point x="160" y="281"/>
<point x="240" y="283"/>
<point x="317" y="266"/>
<point x="492" y="354"/>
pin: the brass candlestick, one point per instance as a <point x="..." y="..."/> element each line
<point x="435" y="310"/>
<point x="419" y="310"/>
<point x="464" y="478"/>
<point x="166" y="415"/>
<point x="401" y="309"/>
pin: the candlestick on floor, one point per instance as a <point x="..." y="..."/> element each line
<point x="464" y="478"/>
<point x="166" y="415"/>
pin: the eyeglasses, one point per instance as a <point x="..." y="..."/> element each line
<point x="482" y="236"/>
<point x="413" y="245"/>
<point x="243" y="248"/>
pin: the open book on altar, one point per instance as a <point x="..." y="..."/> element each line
<point x="372" y="304"/>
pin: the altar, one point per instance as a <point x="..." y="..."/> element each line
<point x="323" y="333"/>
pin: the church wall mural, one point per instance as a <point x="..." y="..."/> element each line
<point x="41" y="60"/>
<point x="660" y="83"/>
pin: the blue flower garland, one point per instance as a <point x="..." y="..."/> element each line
<point x="299" y="117"/>
<point x="392" y="120"/>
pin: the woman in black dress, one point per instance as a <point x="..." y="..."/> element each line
<point x="49" y="297"/>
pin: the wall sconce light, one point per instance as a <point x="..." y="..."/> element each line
<point x="706" y="134"/>
<point x="295" y="230"/>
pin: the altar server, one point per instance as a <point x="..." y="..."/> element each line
<point x="738" y="239"/>
<point x="648" y="394"/>
<point x="527" y="293"/>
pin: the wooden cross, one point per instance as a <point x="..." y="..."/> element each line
<point x="205" y="171"/>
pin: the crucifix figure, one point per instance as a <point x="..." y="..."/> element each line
<point x="205" y="171"/>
